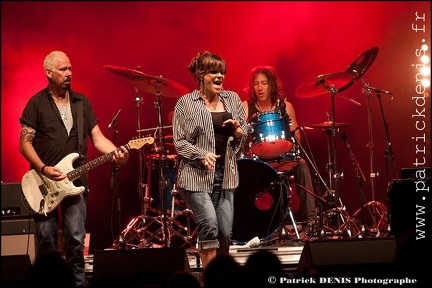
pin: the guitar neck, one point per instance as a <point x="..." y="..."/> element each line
<point x="83" y="169"/>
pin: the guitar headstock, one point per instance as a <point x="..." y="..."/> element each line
<point x="138" y="143"/>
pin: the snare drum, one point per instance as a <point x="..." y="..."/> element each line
<point x="270" y="135"/>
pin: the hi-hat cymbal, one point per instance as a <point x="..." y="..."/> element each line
<point x="149" y="83"/>
<point x="323" y="84"/>
<point x="329" y="125"/>
<point x="360" y="65"/>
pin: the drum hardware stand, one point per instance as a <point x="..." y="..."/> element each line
<point x="163" y="165"/>
<point x="367" y="91"/>
<point x="311" y="161"/>
<point x="316" y="230"/>
<point x="336" y="176"/>
<point x="282" y="231"/>
<point x="150" y="84"/>
<point x="329" y="166"/>
<point x="361" y="178"/>
<point x="388" y="153"/>
<point x="320" y="229"/>
<point x="136" y="229"/>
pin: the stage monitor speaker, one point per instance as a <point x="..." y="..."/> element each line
<point x="14" y="269"/>
<point x="408" y="201"/>
<point x="347" y="257"/>
<point x="137" y="267"/>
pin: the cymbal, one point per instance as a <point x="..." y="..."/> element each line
<point x="322" y="84"/>
<point x="360" y="65"/>
<point x="329" y="125"/>
<point x="149" y="83"/>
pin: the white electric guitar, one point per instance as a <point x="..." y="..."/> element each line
<point x="44" y="194"/>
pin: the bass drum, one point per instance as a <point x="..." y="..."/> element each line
<point x="257" y="203"/>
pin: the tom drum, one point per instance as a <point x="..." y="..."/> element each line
<point x="270" y="135"/>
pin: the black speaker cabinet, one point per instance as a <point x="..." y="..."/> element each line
<point x="347" y="257"/>
<point x="137" y="267"/>
<point x="408" y="200"/>
<point x="13" y="203"/>
<point x="17" y="225"/>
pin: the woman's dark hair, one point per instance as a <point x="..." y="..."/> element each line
<point x="204" y="63"/>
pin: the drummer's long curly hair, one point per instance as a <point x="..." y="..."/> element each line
<point x="275" y="83"/>
<point x="204" y="63"/>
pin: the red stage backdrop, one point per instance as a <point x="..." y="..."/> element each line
<point x="302" y="40"/>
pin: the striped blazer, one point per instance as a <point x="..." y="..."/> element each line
<point x="194" y="137"/>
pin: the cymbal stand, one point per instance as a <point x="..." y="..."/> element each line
<point x="329" y="164"/>
<point x="163" y="165"/>
<point x="372" y="174"/>
<point x="333" y="91"/>
<point x="137" y="227"/>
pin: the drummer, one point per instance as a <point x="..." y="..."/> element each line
<point x="264" y="89"/>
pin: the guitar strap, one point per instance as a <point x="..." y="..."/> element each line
<point x="80" y="136"/>
<point x="80" y="127"/>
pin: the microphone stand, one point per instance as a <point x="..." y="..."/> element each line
<point x="321" y="233"/>
<point x="388" y="153"/>
<point x="114" y="175"/>
<point x="361" y="178"/>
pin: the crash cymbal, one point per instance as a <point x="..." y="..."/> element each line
<point x="329" y="125"/>
<point x="360" y="65"/>
<point x="323" y="84"/>
<point x="149" y="83"/>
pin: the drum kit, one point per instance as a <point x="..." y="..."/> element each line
<point x="332" y="84"/>
<point x="273" y="154"/>
<point x="165" y="220"/>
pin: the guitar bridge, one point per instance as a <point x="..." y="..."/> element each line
<point x="43" y="190"/>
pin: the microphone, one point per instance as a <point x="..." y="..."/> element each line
<point x="281" y="104"/>
<point x="113" y="120"/>
<point x="297" y="128"/>
<point x="380" y="90"/>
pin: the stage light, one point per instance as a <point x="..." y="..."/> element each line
<point x="425" y="71"/>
